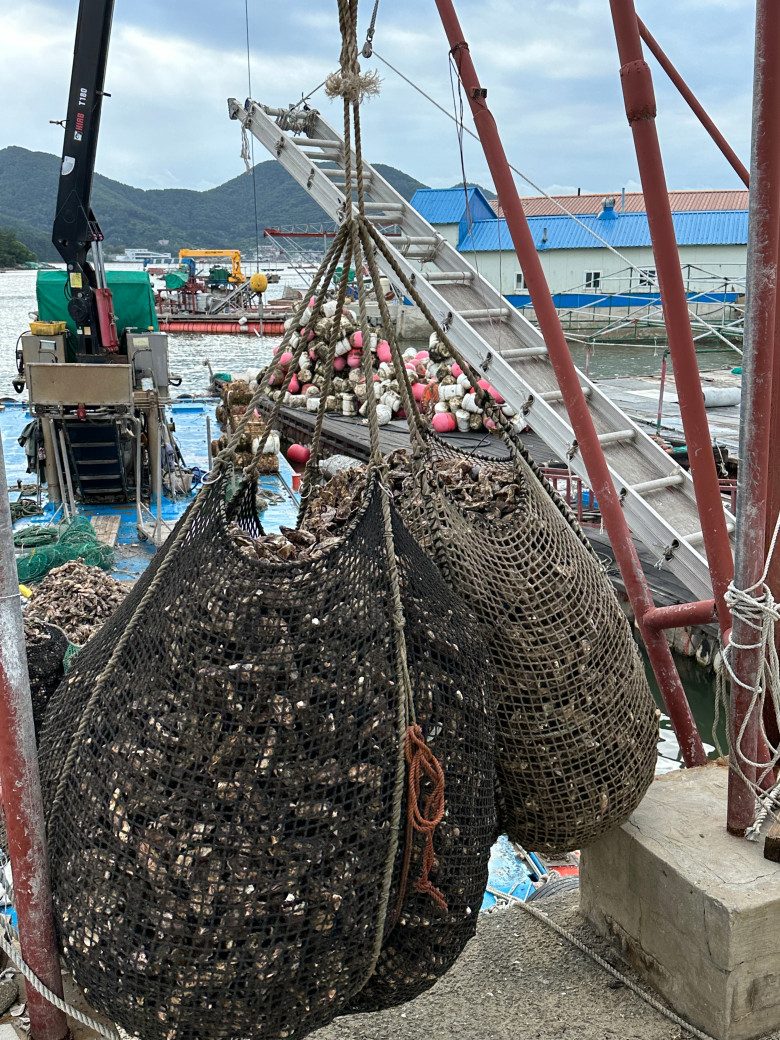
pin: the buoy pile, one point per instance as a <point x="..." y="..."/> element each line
<point x="235" y="397"/>
<point x="440" y="388"/>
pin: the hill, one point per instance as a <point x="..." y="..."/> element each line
<point x="13" y="253"/>
<point x="221" y="216"/>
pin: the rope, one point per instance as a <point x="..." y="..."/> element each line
<point x="10" y="949"/>
<point x="421" y="762"/>
<point x="629" y="983"/>
<point x="755" y="607"/>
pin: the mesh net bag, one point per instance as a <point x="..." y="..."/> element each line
<point x="576" y="724"/>
<point x="426" y="932"/>
<point x="224" y="766"/>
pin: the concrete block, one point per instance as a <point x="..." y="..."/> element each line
<point x="694" y="909"/>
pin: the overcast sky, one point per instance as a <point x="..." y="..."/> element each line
<point x="550" y="68"/>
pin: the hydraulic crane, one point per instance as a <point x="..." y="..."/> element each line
<point x="76" y="230"/>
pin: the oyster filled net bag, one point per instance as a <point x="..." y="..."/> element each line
<point x="576" y="723"/>
<point x="225" y="776"/>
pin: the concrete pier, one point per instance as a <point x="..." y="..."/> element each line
<point x="693" y="909"/>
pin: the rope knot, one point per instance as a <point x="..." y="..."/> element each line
<point x="352" y="84"/>
<point x="425" y="818"/>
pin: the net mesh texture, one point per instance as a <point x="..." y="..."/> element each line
<point x="576" y="723"/>
<point x="232" y="818"/>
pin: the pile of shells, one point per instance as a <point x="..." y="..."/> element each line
<point x="490" y="492"/>
<point x="76" y="598"/>
<point x="235" y="397"/>
<point x="439" y="386"/>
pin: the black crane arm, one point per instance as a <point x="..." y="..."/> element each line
<point x="76" y="230"/>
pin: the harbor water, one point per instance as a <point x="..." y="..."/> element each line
<point x="237" y="353"/>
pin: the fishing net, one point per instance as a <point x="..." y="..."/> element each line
<point x="270" y="780"/>
<point x="46" y="647"/>
<point x="576" y="724"/>
<point x="51" y="545"/>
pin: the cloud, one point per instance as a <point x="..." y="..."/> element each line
<point x="550" y="67"/>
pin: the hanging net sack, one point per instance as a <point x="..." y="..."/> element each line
<point x="249" y="769"/>
<point x="576" y="724"/>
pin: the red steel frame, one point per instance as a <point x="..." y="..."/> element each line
<point x="640" y="105"/>
<point x="755" y="487"/>
<point x="694" y="104"/>
<point x="21" y="795"/>
<point x="577" y="406"/>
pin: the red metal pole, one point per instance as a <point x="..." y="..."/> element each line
<point x="757" y="385"/>
<point x="582" y="422"/>
<point x="639" y="98"/>
<point x="21" y="794"/>
<point x="682" y="615"/>
<point x="694" y="104"/>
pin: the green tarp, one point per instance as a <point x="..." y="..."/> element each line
<point x="131" y="291"/>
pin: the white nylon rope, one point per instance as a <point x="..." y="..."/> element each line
<point x="758" y="610"/>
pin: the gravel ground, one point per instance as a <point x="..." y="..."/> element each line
<point x="517" y="980"/>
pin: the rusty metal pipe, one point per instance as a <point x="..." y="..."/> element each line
<point x="681" y="615"/>
<point x="577" y="407"/>
<point x="694" y="104"/>
<point x="757" y="380"/>
<point x="640" y="105"/>
<point x="21" y="794"/>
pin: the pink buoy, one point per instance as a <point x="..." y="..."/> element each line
<point x="383" y="351"/>
<point x="310" y="335"/>
<point x="483" y="384"/>
<point x="312" y="354"/>
<point x="456" y="370"/>
<point x="305" y="387"/>
<point x="356" y="339"/>
<point x="298" y="454"/>
<point x="275" y="379"/>
<point x="418" y="389"/>
<point x="489" y="424"/>
<point x="277" y="348"/>
<point x="376" y="377"/>
<point x="294" y="386"/>
<point x="422" y="355"/>
<point x="444" y="422"/>
<point x="339" y="364"/>
<point x="353" y="359"/>
<point x="285" y="359"/>
<point x="312" y="302"/>
<point x="496" y="395"/>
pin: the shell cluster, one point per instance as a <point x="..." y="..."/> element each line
<point x="235" y="397"/>
<point x="439" y="386"/>
<point x="76" y="598"/>
<point x="476" y="486"/>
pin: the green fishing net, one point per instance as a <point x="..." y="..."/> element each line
<point x="50" y="545"/>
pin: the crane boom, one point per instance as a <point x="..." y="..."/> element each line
<point x="76" y="229"/>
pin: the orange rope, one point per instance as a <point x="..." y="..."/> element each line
<point x="422" y="763"/>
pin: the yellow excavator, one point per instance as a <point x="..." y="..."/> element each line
<point x="236" y="276"/>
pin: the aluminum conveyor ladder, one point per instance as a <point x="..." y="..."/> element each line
<point x="496" y="339"/>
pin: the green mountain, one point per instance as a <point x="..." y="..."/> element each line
<point x="217" y="218"/>
<point x="13" y="253"/>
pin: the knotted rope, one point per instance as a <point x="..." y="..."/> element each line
<point x="759" y="612"/>
<point x="424" y="819"/>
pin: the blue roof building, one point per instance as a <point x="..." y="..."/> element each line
<point x="452" y="210"/>
<point x="602" y="258"/>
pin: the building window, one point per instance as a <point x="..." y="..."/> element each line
<point x="520" y="285"/>
<point x="646" y="277"/>
<point x="593" y="280"/>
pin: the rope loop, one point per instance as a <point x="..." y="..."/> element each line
<point x="426" y="815"/>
